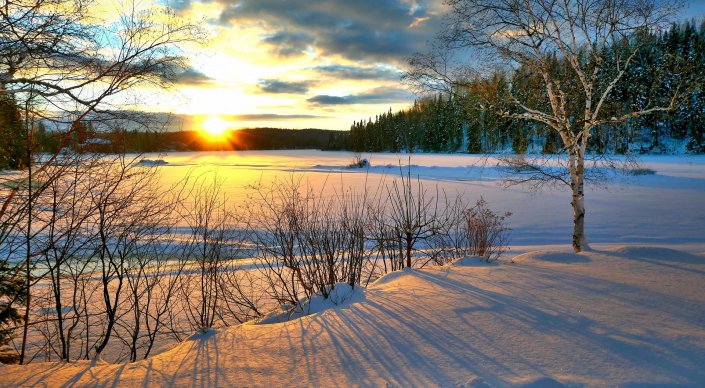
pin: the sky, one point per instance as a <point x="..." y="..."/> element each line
<point x="303" y="63"/>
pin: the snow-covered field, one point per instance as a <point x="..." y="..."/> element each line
<point x="630" y="313"/>
<point x="621" y="316"/>
<point x="667" y="207"/>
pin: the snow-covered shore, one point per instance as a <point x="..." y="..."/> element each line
<point x="621" y="315"/>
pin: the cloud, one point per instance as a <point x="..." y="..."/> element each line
<point x="375" y="96"/>
<point x="243" y="117"/>
<point x="368" y="30"/>
<point x="180" y="122"/>
<point x="359" y="73"/>
<point x="419" y="21"/>
<point x="286" y="44"/>
<point x="190" y="76"/>
<point x="276" y="86"/>
<point x="323" y="99"/>
<point x="273" y="117"/>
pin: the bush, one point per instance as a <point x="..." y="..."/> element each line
<point x="640" y="171"/>
<point x="485" y="232"/>
<point x="306" y="242"/>
<point x="358" y="161"/>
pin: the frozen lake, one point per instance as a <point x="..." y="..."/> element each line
<point x="665" y="208"/>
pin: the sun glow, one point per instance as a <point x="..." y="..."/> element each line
<point x="215" y="126"/>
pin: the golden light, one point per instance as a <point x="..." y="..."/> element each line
<point x="215" y="126"/>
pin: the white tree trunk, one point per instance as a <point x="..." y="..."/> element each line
<point x="577" y="184"/>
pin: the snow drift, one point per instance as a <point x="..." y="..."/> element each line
<point x="615" y="316"/>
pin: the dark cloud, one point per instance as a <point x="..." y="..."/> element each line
<point x="375" y="96"/>
<point x="191" y="76"/>
<point x="359" y="73"/>
<point x="190" y="119"/>
<point x="276" y="86"/>
<point x="273" y="117"/>
<point x="368" y="30"/>
<point x="180" y="122"/>
<point x="288" y="44"/>
<point x="323" y="99"/>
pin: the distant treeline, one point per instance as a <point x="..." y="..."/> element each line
<point x="117" y="141"/>
<point x="465" y="119"/>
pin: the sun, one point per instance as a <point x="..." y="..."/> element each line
<point x="215" y="126"/>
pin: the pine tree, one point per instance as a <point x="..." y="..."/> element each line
<point x="12" y="294"/>
<point x="13" y="141"/>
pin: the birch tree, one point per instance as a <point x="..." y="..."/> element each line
<point x="580" y="50"/>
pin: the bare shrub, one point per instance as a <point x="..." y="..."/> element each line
<point x="65" y="260"/>
<point x="276" y="215"/>
<point x="210" y="249"/>
<point x="637" y="171"/>
<point x="358" y="161"/>
<point x="102" y="257"/>
<point x="485" y="232"/>
<point x="306" y="242"/>
<point x="450" y="238"/>
<point x="243" y="298"/>
<point x="412" y="215"/>
<point x="355" y="220"/>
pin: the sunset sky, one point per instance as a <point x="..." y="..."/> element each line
<point x="303" y="63"/>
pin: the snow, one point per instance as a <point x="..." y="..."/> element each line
<point x="671" y="202"/>
<point x="97" y="141"/>
<point x="619" y="315"/>
<point x="630" y="312"/>
<point x="340" y="295"/>
<point x="151" y="163"/>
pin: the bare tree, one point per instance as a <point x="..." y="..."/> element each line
<point x="580" y="50"/>
<point x="128" y="214"/>
<point x="67" y="245"/>
<point x="153" y="275"/>
<point x="62" y="65"/>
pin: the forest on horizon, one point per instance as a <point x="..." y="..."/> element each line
<point x="455" y="120"/>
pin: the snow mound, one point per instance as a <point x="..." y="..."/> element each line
<point x="658" y="253"/>
<point x="203" y="335"/>
<point x="341" y="294"/>
<point x="392" y="277"/>
<point x="543" y="382"/>
<point x="615" y="320"/>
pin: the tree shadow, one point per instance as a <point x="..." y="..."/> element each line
<point x="523" y="324"/>
<point x="561" y="257"/>
<point x="660" y="256"/>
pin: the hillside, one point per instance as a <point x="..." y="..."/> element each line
<point x="616" y="316"/>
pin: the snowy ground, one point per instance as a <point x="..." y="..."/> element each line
<point x="618" y="316"/>
<point x="667" y="207"/>
<point x="631" y="313"/>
